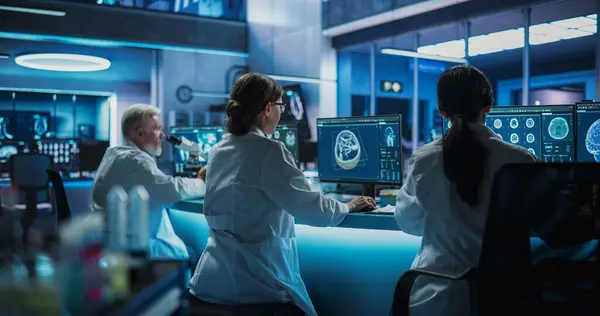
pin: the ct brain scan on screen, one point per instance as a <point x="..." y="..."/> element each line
<point x="360" y="149"/>
<point x="588" y="131"/>
<point x="545" y="131"/>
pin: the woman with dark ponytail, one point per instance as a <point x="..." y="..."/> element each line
<point x="446" y="195"/>
<point x="253" y="193"/>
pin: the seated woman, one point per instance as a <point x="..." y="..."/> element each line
<point x="253" y="193"/>
<point x="446" y="195"/>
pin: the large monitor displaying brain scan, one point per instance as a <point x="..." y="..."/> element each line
<point x="288" y="135"/>
<point x="206" y="136"/>
<point x="295" y="110"/>
<point x="545" y="131"/>
<point x="588" y="131"/>
<point x="360" y="149"/>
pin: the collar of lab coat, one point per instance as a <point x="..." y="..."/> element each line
<point x="128" y="143"/>
<point x="255" y="130"/>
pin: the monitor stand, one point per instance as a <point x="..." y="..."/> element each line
<point x="369" y="190"/>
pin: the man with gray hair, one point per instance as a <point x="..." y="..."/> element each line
<point x="133" y="163"/>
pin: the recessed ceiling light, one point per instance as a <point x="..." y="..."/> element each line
<point x="63" y="62"/>
<point x="4" y="56"/>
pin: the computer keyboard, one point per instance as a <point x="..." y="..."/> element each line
<point x="388" y="209"/>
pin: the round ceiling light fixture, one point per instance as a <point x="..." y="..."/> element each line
<point x="63" y="62"/>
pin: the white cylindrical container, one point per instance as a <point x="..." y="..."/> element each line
<point x="138" y="215"/>
<point x="116" y="216"/>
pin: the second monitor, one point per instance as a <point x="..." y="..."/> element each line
<point x="547" y="131"/>
<point x="208" y="136"/>
<point x="360" y="149"/>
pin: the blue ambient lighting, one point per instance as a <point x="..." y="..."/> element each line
<point x="111" y="43"/>
<point x="63" y="62"/>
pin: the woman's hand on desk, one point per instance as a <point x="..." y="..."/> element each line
<point x="360" y="203"/>
<point x="202" y="174"/>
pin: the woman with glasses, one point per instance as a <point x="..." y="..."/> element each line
<point x="253" y="193"/>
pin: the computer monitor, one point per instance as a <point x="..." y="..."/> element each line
<point x="587" y="116"/>
<point x="25" y="125"/>
<point x="206" y="136"/>
<point x="546" y="131"/>
<point x="91" y="153"/>
<point x="295" y="110"/>
<point x="360" y="149"/>
<point x="7" y="149"/>
<point x="65" y="153"/>
<point x="288" y="135"/>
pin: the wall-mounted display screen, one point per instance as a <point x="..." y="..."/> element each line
<point x="295" y="110"/>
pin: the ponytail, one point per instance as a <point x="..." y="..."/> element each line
<point x="465" y="159"/>
<point x="238" y="120"/>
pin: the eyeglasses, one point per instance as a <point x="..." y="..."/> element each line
<point x="281" y="106"/>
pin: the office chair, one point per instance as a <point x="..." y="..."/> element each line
<point x="560" y="203"/>
<point x="60" y="201"/>
<point x="28" y="176"/>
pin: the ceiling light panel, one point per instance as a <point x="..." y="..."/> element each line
<point x="512" y="39"/>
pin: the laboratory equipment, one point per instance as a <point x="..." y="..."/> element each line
<point x="184" y="162"/>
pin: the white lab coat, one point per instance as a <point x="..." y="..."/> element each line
<point x="127" y="166"/>
<point x="427" y="205"/>
<point x="253" y="193"/>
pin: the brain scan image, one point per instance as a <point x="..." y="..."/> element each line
<point x="347" y="150"/>
<point x="592" y="140"/>
<point x="290" y="139"/>
<point x="531" y="150"/>
<point x="4" y="133"/>
<point x="530" y="138"/>
<point x="389" y="136"/>
<point x="558" y="128"/>
<point x="514" y="123"/>
<point x="530" y="123"/>
<point x="295" y="105"/>
<point x="40" y="125"/>
<point x="277" y="135"/>
<point x="514" y="138"/>
<point x="497" y="123"/>
<point x="449" y="124"/>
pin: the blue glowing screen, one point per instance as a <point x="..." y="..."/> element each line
<point x="360" y="149"/>
<point x="206" y="136"/>
<point x="588" y="132"/>
<point x="545" y="131"/>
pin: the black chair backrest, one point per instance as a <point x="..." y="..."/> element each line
<point x="543" y="200"/>
<point x="60" y="196"/>
<point x="28" y="174"/>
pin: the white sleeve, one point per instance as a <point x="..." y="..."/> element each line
<point x="165" y="188"/>
<point x="409" y="212"/>
<point x="285" y="184"/>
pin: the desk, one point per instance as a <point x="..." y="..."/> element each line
<point x="348" y="270"/>
<point x="353" y="220"/>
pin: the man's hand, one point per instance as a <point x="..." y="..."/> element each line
<point x="202" y="174"/>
